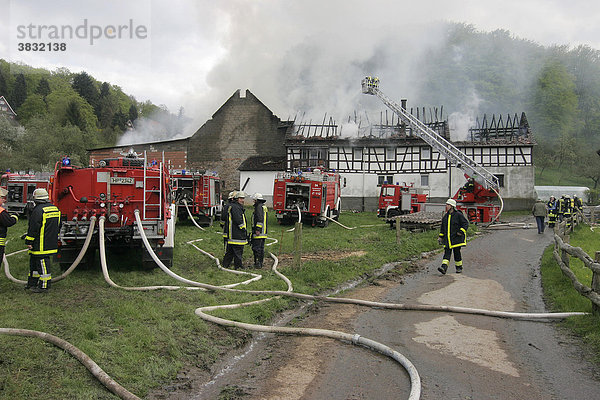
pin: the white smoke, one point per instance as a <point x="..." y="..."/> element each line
<point x="460" y="121"/>
<point x="310" y="56"/>
<point x="160" y="126"/>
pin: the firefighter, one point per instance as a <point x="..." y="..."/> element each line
<point x="453" y="235"/>
<point x="560" y="205"/>
<point x="259" y="229"/>
<point x="42" y="241"/>
<point x="236" y="232"/>
<point x="577" y="204"/>
<point x="224" y="217"/>
<point x="552" y="206"/>
<point x="567" y="211"/>
<point x="6" y="220"/>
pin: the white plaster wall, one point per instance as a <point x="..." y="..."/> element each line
<point x="261" y="182"/>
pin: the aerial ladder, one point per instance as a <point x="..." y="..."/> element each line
<point x="452" y="153"/>
<point x="370" y="85"/>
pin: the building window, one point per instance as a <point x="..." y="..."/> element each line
<point x="358" y="153"/>
<point x="425" y="180"/>
<point x="390" y="153"/>
<point x="381" y="179"/>
<point x="500" y="179"/>
<point x="425" y="153"/>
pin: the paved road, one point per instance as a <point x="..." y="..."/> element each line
<point x="468" y="357"/>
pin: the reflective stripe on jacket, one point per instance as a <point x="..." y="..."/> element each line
<point x="454" y="229"/>
<point x="259" y="221"/>
<point x="236" y="225"/>
<point x="43" y="229"/>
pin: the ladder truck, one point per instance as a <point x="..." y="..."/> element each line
<point x="475" y="171"/>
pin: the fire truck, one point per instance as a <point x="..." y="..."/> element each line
<point x="202" y="193"/>
<point x="309" y="196"/>
<point x="20" y="190"/>
<point x="477" y="202"/>
<point x="398" y="199"/>
<point x="116" y="188"/>
<point x="480" y="212"/>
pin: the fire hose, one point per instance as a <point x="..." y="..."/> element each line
<point x="83" y="358"/>
<point x="74" y="265"/>
<point x="191" y="216"/>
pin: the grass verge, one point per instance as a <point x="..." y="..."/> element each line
<point x="561" y="296"/>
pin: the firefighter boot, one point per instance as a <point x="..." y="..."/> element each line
<point x="443" y="268"/>
<point x="32" y="281"/>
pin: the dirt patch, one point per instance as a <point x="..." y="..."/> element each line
<point x="331" y="255"/>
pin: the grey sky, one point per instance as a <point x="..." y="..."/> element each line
<point x="294" y="55"/>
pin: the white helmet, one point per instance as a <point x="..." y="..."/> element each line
<point x="231" y="195"/>
<point x="257" y="196"/>
<point x="40" y="194"/>
<point x="239" y="195"/>
<point x="451" y="202"/>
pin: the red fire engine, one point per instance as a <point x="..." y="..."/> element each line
<point x="20" y="190"/>
<point x="201" y="192"/>
<point x="115" y="188"/>
<point x="397" y="199"/>
<point x="310" y="195"/>
<point x="476" y="202"/>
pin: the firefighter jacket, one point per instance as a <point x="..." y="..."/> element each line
<point x="259" y="221"/>
<point x="577" y="204"/>
<point x="552" y="206"/>
<point x="225" y="218"/>
<point x="236" y="225"/>
<point x="454" y="229"/>
<point x="43" y="229"/>
<point x="6" y="220"/>
<point x="561" y="205"/>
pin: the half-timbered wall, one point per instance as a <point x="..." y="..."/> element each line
<point x="500" y="156"/>
<point x="365" y="167"/>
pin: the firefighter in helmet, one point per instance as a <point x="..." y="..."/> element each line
<point x="236" y="232"/>
<point x="453" y="235"/>
<point x="259" y="229"/>
<point x="6" y="220"/>
<point x="42" y="241"/>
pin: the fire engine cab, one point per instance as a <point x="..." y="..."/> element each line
<point x="202" y="193"/>
<point x="398" y="199"/>
<point x="308" y="195"/>
<point x="116" y="188"/>
<point x="477" y="202"/>
<point x="20" y="190"/>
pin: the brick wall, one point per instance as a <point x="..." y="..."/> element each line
<point x="175" y="152"/>
<point x="243" y="127"/>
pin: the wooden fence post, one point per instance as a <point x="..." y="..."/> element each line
<point x="563" y="253"/>
<point x="298" y="245"/>
<point x="398" y="238"/>
<point x="596" y="285"/>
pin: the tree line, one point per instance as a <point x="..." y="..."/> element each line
<point x="62" y="113"/>
<point x="558" y="87"/>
